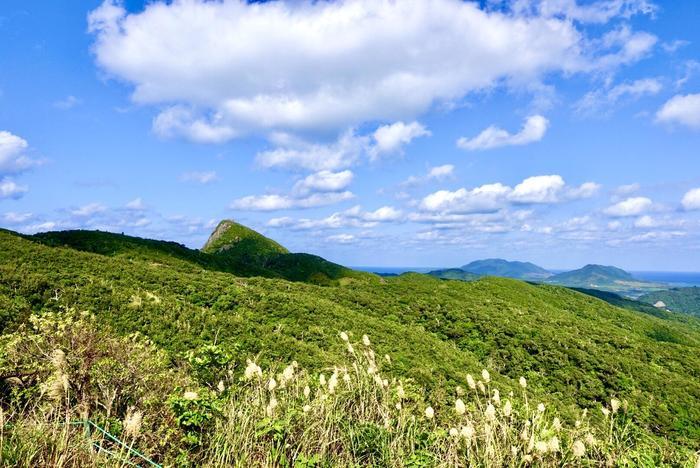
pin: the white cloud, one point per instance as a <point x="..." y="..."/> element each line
<point x="683" y="110"/>
<point x="438" y="173"/>
<point x="674" y="45"/>
<point x="533" y="130"/>
<point x="67" y="103"/>
<point x="391" y="138"/>
<point x="441" y="172"/>
<point x="633" y="206"/>
<point x="585" y="190"/>
<point x="623" y="46"/>
<point x="204" y="177"/>
<point x="15" y="218"/>
<point x="538" y="189"/>
<point x="89" y="210"/>
<point x="691" y="199"/>
<point x="274" y="202"/>
<point x="353" y="217"/>
<point x="136" y="205"/>
<point x="181" y="121"/>
<point x="383" y="214"/>
<point x="222" y="69"/>
<point x="627" y="189"/>
<point x="647" y="222"/>
<point x="484" y="199"/>
<point x="13" y="158"/>
<point x="493" y="197"/>
<point x="595" y="12"/>
<point x="10" y="189"/>
<point x="597" y="100"/>
<point x="342" y="238"/>
<point x="323" y="181"/>
<point x="296" y="154"/>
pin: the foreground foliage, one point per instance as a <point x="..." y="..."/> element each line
<point x="212" y="409"/>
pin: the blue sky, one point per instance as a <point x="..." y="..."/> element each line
<point x="415" y="133"/>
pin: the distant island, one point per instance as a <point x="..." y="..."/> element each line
<point x="597" y="277"/>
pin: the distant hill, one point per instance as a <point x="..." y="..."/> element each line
<point x="454" y="274"/>
<point x="606" y="278"/>
<point x="507" y="269"/>
<point x="685" y="300"/>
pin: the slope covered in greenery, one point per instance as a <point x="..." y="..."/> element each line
<point x="507" y="269"/>
<point x="231" y="248"/>
<point x="574" y="350"/>
<point x="685" y="300"/>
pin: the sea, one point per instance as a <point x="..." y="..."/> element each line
<point x="672" y="278"/>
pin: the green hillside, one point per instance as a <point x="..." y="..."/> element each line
<point x="232" y="238"/>
<point x="507" y="269"/>
<point x="685" y="300"/>
<point x="231" y="248"/>
<point x="606" y="278"/>
<point x="575" y="351"/>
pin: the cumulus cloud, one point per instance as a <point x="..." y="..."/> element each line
<point x="598" y="100"/>
<point x="682" y="110"/>
<point x="585" y="190"/>
<point x="323" y="181"/>
<point x="223" y="69"/>
<point x="484" y="199"/>
<point x="274" y="202"/>
<point x="342" y="238"/>
<point x="354" y="217"/>
<point x="633" y="206"/>
<point x="10" y="189"/>
<point x="181" y="121"/>
<point x="293" y="153"/>
<point x="437" y="173"/>
<point x="391" y="138"/>
<point x="493" y="197"/>
<point x="691" y="199"/>
<point x="533" y="130"/>
<point x="538" y="189"/>
<point x="13" y="157"/>
<point x="204" y="177"/>
<point x="89" y="210"/>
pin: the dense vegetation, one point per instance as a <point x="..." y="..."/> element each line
<point x="231" y="248"/>
<point x="685" y="300"/>
<point x="576" y="351"/>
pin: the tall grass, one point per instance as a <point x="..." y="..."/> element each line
<point x="352" y="414"/>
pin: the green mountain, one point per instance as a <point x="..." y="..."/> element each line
<point x="231" y="248"/>
<point x="507" y="269"/>
<point x="575" y="350"/>
<point x="685" y="300"/>
<point x="454" y="274"/>
<point x="235" y="239"/>
<point x="606" y="278"/>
